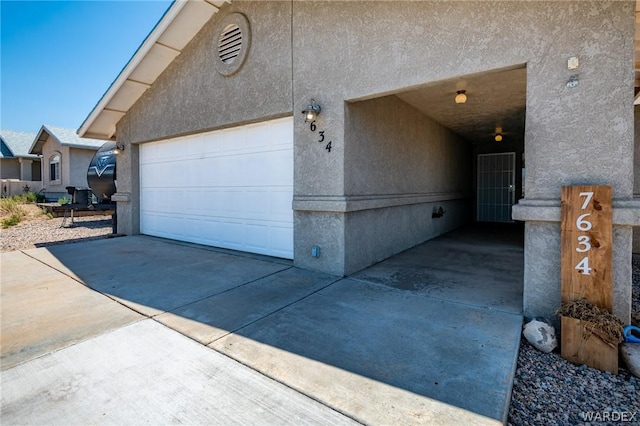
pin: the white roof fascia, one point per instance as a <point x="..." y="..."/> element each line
<point x="73" y="145"/>
<point x="151" y="58"/>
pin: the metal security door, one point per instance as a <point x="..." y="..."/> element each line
<point x="496" y="187"/>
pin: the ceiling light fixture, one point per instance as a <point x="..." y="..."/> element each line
<point x="498" y="137"/>
<point x="461" y="97"/>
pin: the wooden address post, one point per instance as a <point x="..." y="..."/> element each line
<point x="586" y="271"/>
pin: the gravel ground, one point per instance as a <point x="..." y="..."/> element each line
<point x="42" y="231"/>
<point x="547" y="390"/>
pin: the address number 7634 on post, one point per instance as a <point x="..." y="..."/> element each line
<point x="586" y="237"/>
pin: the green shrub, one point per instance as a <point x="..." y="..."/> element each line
<point x="30" y="197"/>
<point x="63" y="200"/>
<point x="12" y="220"/>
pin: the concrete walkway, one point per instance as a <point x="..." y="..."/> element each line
<point x="142" y="330"/>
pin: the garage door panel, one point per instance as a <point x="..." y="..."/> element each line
<point x="274" y="239"/>
<point x="280" y="206"/>
<point x="253" y="169"/>
<point x="232" y="188"/>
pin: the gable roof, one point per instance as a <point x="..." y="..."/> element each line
<point x="66" y="137"/>
<point x="177" y="27"/>
<point x="16" y="144"/>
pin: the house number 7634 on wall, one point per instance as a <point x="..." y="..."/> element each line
<point x="321" y="136"/>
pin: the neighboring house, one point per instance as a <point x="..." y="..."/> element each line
<point x="18" y="168"/>
<point x="65" y="159"/>
<point x="217" y="151"/>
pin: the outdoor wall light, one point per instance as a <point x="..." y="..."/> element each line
<point x="498" y="137"/>
<point x="311" y="111"/>
<point x="119" y="148"/>
<point x="461" y="97"/>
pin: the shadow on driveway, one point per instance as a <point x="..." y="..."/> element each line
<point x="430" y="335"/>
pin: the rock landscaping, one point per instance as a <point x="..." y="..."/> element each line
<point x="38" y="230"/>
<point x="548" y="390"/>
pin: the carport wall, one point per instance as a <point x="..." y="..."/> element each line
<point x="346" y="52"/>
<point x="353" y="51"/>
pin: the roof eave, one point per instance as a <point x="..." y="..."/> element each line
<point x="36" y="142"/>
<point x="8" y="149"/>
<point x="148" y="62"/>
<point x="73" y="145"/>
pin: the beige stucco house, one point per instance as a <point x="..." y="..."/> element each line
<point x="65" y="159"/>
<point x="19" y="169"/>
<point x="479" y="110"/>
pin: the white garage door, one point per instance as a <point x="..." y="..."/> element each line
<point x="231" y="188"/>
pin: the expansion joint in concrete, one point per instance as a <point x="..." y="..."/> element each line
<point x="277" y="310"/>
<point x="84" y="284"/>
<point x="223" y="292"/>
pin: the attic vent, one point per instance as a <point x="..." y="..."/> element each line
<point x="232" y="43"/>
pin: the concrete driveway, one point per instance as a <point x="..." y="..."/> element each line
<point x="142" y="330"/>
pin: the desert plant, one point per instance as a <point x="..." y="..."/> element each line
<point x="12" y="220"/>
<point x="27" y="198"/>
<point x="46" y="213"/>
<point x="30" y="197"/>
<point x="10" y="206"/>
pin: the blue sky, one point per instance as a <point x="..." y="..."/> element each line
<point x="59" y="57"/>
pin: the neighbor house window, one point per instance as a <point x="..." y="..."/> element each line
<point x="54" y="168"/>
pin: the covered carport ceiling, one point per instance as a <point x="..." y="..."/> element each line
<point x="496" y="103"/>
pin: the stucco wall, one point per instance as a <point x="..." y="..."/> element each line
<point x="446" y="39"/>
<point x="9" y="168"/>
<point x="354" y="51"/>
<point x="373" y="235"/>
<point x="573" y="136"/>
<point x="191" y="96"/>
<point x="79" y="160"/>
<point x="393" y="150"/>
<point x="36" y="170"/>
<point x="399" y="166"/>
<point x="381" y="47"/>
